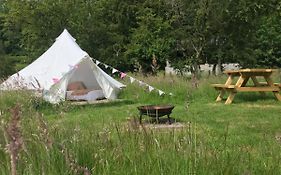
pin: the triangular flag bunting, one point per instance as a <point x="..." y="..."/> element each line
<point x="122" y="75"/>
<point x="150" y="88"/>
<point x="106" y="66"/>
<point x="97" y="62"/>
<point x="161" y="92"/>
<point x="55" y="80"/>
<point x="132" y="79"/>
<point x="114" y="70"/>
<point x="141" y="83"/>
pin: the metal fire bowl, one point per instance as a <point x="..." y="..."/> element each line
<point x="156" y="110"/>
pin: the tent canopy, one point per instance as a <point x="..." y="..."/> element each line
<point x="64" y="62"/>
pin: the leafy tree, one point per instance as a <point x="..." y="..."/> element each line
<point x="112" y="22"/>
<point x="197" y="27"/>
<point x="100" y="27"/>
<point x="150" y="40"/>
<point x="268" y="38"/>
<point x="126" y="33"/>
<point x="216" y="32"/>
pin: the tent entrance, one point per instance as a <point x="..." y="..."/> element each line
<point x="83" y="85"/>
<point x="85" y="76"/>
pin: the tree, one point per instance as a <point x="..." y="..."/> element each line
<point x="150" y="40"/>
<point x="216" y="32"/>
<point x="268" y="38"/>
<point x="126" y="33"/>
<point x="197" y="26"/>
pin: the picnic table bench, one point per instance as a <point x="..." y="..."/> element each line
<point x="240" y="86"/>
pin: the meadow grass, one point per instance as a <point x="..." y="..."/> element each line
<point x="241" y="138"/>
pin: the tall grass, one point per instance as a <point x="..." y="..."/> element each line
<point x="216" y="139"/>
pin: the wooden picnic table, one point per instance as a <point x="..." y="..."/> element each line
<point x="240" y="86"/>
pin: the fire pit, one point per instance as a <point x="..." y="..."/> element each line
<point x="156" y="111"/>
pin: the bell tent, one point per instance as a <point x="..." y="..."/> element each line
<point x="64" y="65"/>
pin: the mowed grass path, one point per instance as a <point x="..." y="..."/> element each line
<point x="241" y="138"/>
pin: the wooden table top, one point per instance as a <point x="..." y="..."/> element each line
<point x="250" y="71"/>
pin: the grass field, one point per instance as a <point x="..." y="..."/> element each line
<point x="241" y="138"/>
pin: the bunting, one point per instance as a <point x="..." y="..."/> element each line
<point x="161" y="92"/>
<point x="150" y="88"/>
<point x="141" y="83"/>
<point x="122" y="75"/>
<point x="132" y="79"/>
<point x="73" y="67"/>
<point x="55" y="80"/>
<point x="114" y="70"/>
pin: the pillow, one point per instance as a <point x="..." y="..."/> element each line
<point x="78" y="85"/>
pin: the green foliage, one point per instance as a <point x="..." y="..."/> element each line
<point x="269" y="41"/>
<point x="130" y="34"/>
<point x="150" y="40"/>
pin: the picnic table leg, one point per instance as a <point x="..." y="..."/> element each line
<point x="222" y="92"/>
<point x="229" y="80"/>
<point x="270" y="83"/>
<point x="230" y="98"/>
<point x="220" y="96"/>
<point x="245" y="81"/>
<point x="169" y="119"/>
<point x="157" y="117"/>
<point x="242" y="81"/>
<point x="256" y="83"/>
<point x="140" y="118"/>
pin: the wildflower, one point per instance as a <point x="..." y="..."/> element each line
<point x="14" y="137"/>
<point x="74" y="166"/>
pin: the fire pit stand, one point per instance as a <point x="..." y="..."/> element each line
<point x="156" y="111"/>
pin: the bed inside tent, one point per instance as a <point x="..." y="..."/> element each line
<point x="83" y="85"/>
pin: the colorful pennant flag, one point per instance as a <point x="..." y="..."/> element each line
<point x="122" y="75"/>
<point x="132" y="79"/>
<point x="114" y="70"/>
<point x="141" y="83"/>
<point x="55" y="80"/>
<point x="72" y="67"/>
<point x="150" y="88"/>
<point x="161" y="92"/>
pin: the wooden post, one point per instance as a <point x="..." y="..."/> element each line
<point x="230" y="97"/>
<point x="256" y="83"/>
<point x="270" y="82"/>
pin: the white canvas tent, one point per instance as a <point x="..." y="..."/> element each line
<point x="64" y="62"/>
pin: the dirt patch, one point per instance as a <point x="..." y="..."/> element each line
<point x="176" y="125"/>
<point x="104" y="101"/>
<point x="162" y="124"/>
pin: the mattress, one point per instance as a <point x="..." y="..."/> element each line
<point x="91" y="95"/>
